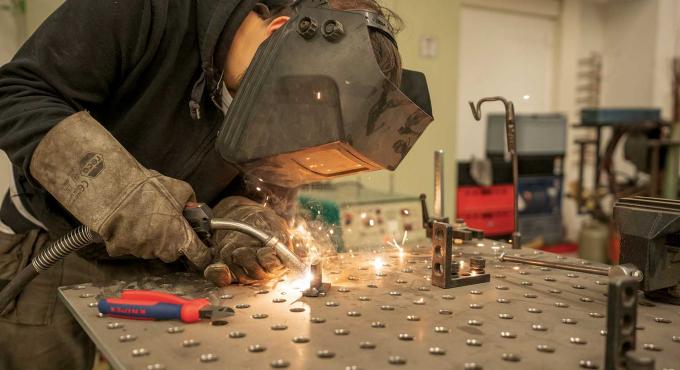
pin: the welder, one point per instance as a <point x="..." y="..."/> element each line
<point x="115" y="114"/>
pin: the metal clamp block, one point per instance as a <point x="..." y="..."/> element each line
<point x="446" y="274"/>
<point x="621" y="321"/>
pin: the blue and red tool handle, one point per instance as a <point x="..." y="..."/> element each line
<point x="153" y="305"/>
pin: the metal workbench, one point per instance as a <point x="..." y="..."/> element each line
<point x="385" y="316"/>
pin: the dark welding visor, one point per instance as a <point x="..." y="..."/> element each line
<point x="315" y="105"/>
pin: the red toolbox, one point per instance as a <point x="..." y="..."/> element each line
<point x="492" y="222"/>
<point x="489" y="208"/>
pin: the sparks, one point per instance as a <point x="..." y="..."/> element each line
<point x="378" y="263"/>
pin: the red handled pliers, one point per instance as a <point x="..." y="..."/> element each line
<point x="154" y="305"/>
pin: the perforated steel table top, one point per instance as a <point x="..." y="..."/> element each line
<point x="385" y="316"/>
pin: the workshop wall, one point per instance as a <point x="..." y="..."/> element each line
<point x="637" y="41"/>
<point x="506" y="51"/>
<point x="428" y="43"/>
<point x="15" y="26"/>
<point x="12" y="34"/>
<point x="38" y="11"/>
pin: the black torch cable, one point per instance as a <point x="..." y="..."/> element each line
<point x="74" y="240"/>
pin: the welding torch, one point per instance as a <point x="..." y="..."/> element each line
<point x="199" y="216"/>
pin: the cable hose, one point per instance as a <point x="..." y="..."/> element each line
<point x="74" y="240"/>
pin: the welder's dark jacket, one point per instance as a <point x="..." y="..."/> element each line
<point x="136" y="66"/>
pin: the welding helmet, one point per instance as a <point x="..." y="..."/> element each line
<point x="314" y="104"/>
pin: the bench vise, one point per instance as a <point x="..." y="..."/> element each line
<point x="650" y="240"/>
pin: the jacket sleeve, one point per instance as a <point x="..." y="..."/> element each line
<point x="73" y="62"/>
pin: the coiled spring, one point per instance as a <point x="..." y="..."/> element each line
<point x="76" y="239"/>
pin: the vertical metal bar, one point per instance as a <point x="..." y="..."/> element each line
<point x="654" y="176"/>
<point x="511" y="137"/>
<point x="512" y="148"/>
<point x="439" y="183"/>
<point x="581" y="166"/>
<point x="598" y="136"/>
<point x="316" y="270"/>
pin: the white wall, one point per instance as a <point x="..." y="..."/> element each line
<point x="504" y="53"/>
<point x="628" y="53"/>
<point x="667" y="47"/>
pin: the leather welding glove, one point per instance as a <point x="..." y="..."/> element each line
<point x="136" y="211"/>
<point x="245" y="256"/>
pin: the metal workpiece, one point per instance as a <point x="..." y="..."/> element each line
<point x="447" y="272"/>
<point x="439" y="203"/>
<point x="317" y="287"/>
<point x="383" y="313"/>
<point x="511" y="136"/>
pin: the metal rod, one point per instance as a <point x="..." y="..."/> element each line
<point x="654" y="176"/>
<point x="598" y="139"/>
<point x="562" y="266"/>
<point x="439" y="183"/>
<point x="580" y="202"/>
<point x="510" y="133"/>
<point x="316" y="270"/>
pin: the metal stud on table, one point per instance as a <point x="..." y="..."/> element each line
<point x="324" y="353"/>
<point x="473" y="342"/>
<point x="279" y="327"/>
<point x="208" y="357"/>
<point x="545" y="348"/>
<point x="138" y="352"/>
<point x="190" y="343"/>
<point x="279" y="364"/>
<point x="114" y="325"/>
<point x="236" y="334"/>
<point x="510" y="357"/>
<point x="256" y="348"/>
<point x="127" y="338"/>
<point x="367" y="345"/>
<point x="396" y="360"/>
<point x="300" y="340"/>
<point x="441" y="329"/>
